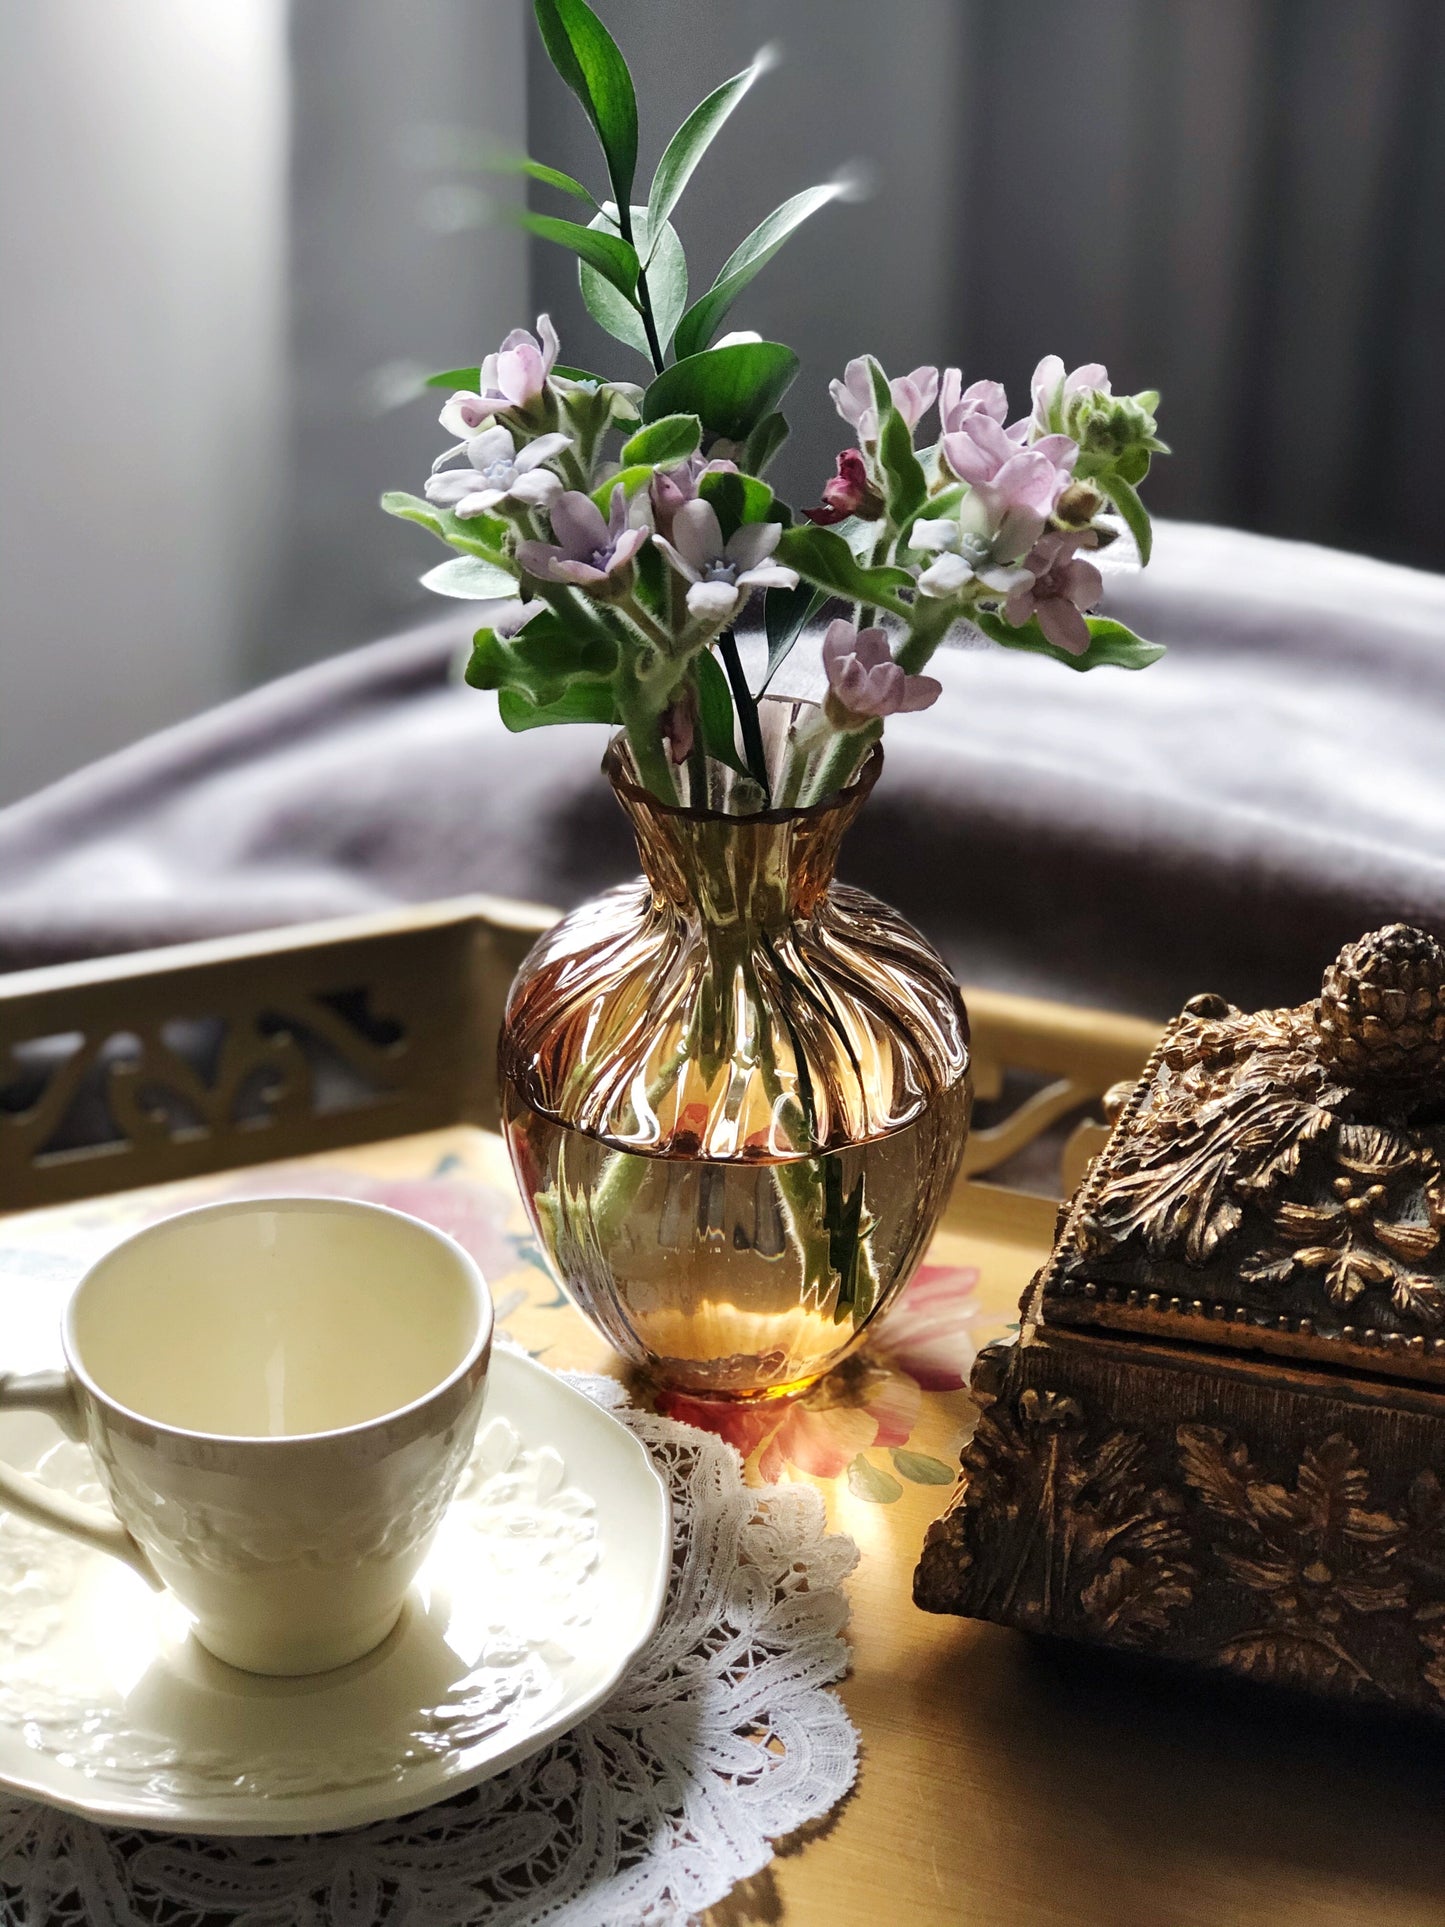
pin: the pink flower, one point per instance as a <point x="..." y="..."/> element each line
<point x="913" y="395"/>
<point x="863" y="679"/>
<point x="1053" y="391"/>
<point x="956" y="403"/>
<point x="512" y="378"/>
<point x="928" y="1332"/>
<point x="589" y="553"/>
<point x="978" y="449"/>
<point x="1008" y="505"/>
<point x="1061" y="588"/>
<point x="849" y="492"/>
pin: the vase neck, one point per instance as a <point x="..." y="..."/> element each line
<point x="761" y="871"/>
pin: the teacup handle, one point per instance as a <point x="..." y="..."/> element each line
<point x="51" y="1393"/>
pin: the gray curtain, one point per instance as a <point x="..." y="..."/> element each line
<point x="1236" y="201"/>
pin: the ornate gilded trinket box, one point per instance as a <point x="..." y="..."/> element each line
<point x="1220" y="1433"/>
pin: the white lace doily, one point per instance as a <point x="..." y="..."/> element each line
<point x="723" y="1739"/>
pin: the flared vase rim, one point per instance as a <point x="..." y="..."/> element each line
<point x="616" y="768"/>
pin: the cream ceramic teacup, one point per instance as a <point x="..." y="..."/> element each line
<point x="280" y="1396"/>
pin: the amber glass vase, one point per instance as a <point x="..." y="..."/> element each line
<point x="735" y="1093"/>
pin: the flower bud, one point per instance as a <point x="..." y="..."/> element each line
<point x="1078" y="505"/>
<point x="850" y="492"/>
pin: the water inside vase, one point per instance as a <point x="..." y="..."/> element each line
<point x="737" y="1278"/>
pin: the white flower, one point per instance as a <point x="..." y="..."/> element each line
<point x="963" y="557"/>
<point x="497" y="472"/>
<point x="722" y="574"/>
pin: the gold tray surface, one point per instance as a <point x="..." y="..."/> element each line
<point x="1001" y="1782"/>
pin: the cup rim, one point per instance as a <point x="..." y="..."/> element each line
<point x="288" y="1201"/>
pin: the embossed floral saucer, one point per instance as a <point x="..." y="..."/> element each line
<point x="547" y="1578"/>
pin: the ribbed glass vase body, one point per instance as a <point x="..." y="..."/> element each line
<point x="736" y="1096"/>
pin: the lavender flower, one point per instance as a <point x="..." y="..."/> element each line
<point x="497" y="473"/>
<point x="515" y="378"/>
<point x="865" y="682"/>
<point x="721" y="575"/>
<point x="913" y="395"/>
<point x="589" y="553"/>
<point x="964" y="557"/>
<point x="1058" y="590"/>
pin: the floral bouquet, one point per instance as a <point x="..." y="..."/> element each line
<point x="628" y="525"/>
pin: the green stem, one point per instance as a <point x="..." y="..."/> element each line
<point x="644" y="293"/>
<point x="649" y="757"/>
<point x="842" y="761"/>
<point x="747" y="708"/>
<point x="931" y="622"/>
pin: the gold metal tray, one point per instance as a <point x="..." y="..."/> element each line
<point x="1001" y="1783"/>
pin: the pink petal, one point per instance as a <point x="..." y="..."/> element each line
<point x="537" y="558"/>
<point x="920" y="692"/>
<point x="753" y="543"/>
<point x="578" y="525"/>
<point x="1061" y="450"/>
<point x="872" y="647"/>
<point x="893" y="1401"/>
<point x="551" y="346"/>
<point x="697" y="534"/>
<point x="684" y="569"/>
<point x="627" y="546"/>
<point x="1020" y="606"/>
<point x="1063" y="625"/>
<point x="1084" y="584"/>
<point x="838" y="643"/>
<point x="581" y="573"/>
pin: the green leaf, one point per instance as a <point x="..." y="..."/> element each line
<point x="480" y="535"/>
<point x="554" y="177"/>
<point x="1111" y="645"/>
<point x="541" y="659"/>
<point x="786" y="614"/>
<point x="629" y="480"/>
<point x="730" y="389"/>
<point x="470" y="579"/>
<point x="591" y="63"/>
<point x="1132" y="466"/>
<point x="703" y="318"/>
<point x="695" y="136"/>
<point x="871" y="1482"/>
<point x="584" y="702"/>
<point x="1136" y="517"/>
<point x="905" y="482"/>
<point x="735" y="499"/>
<point x="666" y="286"/>
<point x="715" y="713"/>
<point x="822" y="557"/>
<point x="614" y="259"/>
<point x="764" y="442"/>
<point x="920" y="1468"/>
<point x="468" y="378"/>
<point x="672" y="439"/>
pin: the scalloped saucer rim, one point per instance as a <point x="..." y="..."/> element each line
<point x="560" y="1498"/>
